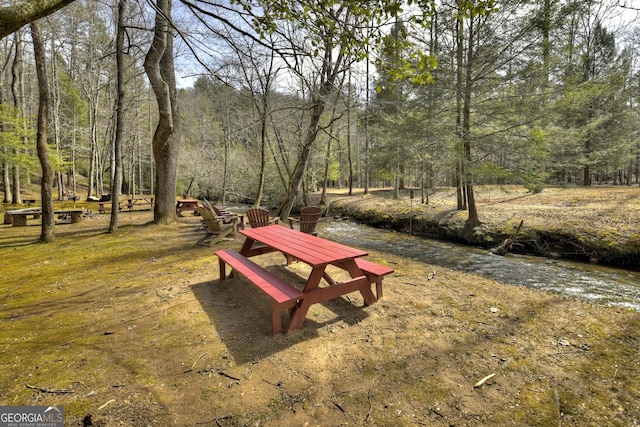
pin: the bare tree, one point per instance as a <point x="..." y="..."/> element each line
<point x="47" y="233"/>
<point x="159" y="67"/>
<point x="6" y="179"/>
<point x="23" y="12"/>
<point x="116" y="184"/>
<point x="17" y="89"/>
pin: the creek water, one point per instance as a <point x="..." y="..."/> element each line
<point x="587" y="282"/>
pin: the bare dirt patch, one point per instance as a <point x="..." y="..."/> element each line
<point x="135" y="329"/>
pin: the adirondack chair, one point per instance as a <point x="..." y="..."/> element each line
<point x="259" y="217"/>
<point x="206" y="213"/>
<point x="226" y="214"/>
<point x="309" y="217"/>
<point x="218" y="227"/>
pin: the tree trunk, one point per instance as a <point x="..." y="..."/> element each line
<point x="55" y="116"/>
<point x="93" y="144"/>
<point x="459" y="169"/>
<point x="17" y="88"/>
<point x="349" y="148"/>
<point x="14" y="18"/>
<point x="6" y="181"/>
<point x="158" y="65"/>
<point x="546" y="48"/>
<point x="47" y="232"/>
<point x="325" y="178"/>
<point x="263" y="143"/>
<point x="298" y="171"/>
<point x="472" y="219"/>
<point x="366" y="133"/>
<point x="116" y="183"/>
<point x="227" y="154"/>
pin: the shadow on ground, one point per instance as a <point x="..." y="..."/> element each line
<point x="241" y="315"/>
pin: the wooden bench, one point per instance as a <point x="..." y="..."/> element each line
<point x="283" y="296"/>
<point x="374" y="272"/>
<point x="19" y="217"/>
<point x="74" y="215"/>
<point x="187" y="205"/>
<point x="135" y="201"/>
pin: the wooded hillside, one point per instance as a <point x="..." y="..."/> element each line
<point x="314" y="94"/>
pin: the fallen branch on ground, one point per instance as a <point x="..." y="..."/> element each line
<point x="506" y="245"/>
<point x="49" y="390"/>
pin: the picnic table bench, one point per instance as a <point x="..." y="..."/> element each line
<point x="187" y="205"/>
<point x="316" y="252"/>
<point x="135" y="201"/>
<point x="18" y="217"/>
<point x="283" y="296"/>
<point x="374" y="272"/>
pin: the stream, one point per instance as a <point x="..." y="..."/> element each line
<point x="586" y="282"/>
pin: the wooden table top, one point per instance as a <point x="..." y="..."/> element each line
<point x="312" y="250"/>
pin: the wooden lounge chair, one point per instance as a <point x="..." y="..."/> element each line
<point x="259" y="217"/>
<point x="309" y="217"/>
<point x="218" y="227"/>
<point x="217" y="211"/>
<point x="206" y="213"/>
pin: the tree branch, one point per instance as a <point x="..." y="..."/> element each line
<point x="12" y="18"/>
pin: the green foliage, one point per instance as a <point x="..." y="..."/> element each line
<point x="468" y="9"/>
<point x="349" y="26"/>
<point x="17" y="137"/>
<point x="333" y="174"/>
<point x="73" y="105"/>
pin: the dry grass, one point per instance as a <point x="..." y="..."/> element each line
<point x="135" y="329"/>
<point x="598" y="223"/>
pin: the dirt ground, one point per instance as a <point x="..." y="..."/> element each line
<point x="134" y="329"/>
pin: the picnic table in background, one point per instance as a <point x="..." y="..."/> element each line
<point x="187" y="205"/>
<point x="18" y="217"/>
<point x="136" y="201"/>
<point x="318" y="253"/>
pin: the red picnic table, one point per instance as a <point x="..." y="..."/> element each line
<point x="317" y="253"/>
<point x="187" y="205"/>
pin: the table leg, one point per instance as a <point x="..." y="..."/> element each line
<point x="314" y="278"/>
<point x="223" y="269"/>
<point x="246" y="247"/>
<point x="76" y="217"/>
<point x="354" y="271"/>
<point x="19" y="220"/>
<point x="317" y="295"/>
<point x="248" y="250"/>
<point x="298" y="315"/>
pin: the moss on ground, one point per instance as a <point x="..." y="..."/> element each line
<point x="135" y="329"/>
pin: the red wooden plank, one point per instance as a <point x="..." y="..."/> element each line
<point x="373" y="268"/>
<point x="305" y="247"/>
<point x="271" y="284"/>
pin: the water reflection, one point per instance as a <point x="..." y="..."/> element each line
<point x="587" y="282"/>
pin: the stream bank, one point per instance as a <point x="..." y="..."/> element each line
<point x="595" y="224"/>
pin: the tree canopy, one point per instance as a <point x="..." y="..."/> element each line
<point x="284" y="98"/>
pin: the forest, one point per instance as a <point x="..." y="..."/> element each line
<point x="264" y="102"/>
<point x="526" y="110"/>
